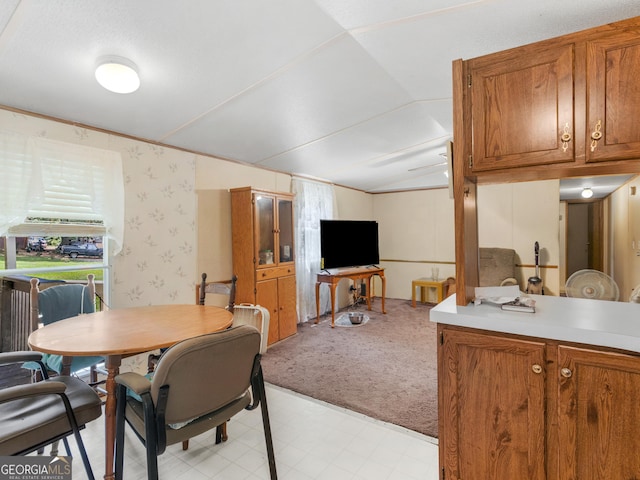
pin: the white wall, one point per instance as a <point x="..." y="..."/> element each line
<point x="625" y="237"/>
<point x="353" y="204"/>
<point x="416" y="232"/>
<point x="214" y="178"/>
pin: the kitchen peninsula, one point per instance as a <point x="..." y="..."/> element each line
<point x="545" y="395"/>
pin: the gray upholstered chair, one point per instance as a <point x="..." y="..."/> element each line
<point x="35" y="415"/>
<point x="57" y="303"/>
<point x="497" y="267"/>
<point x="175" y="405"/>
<point x="243" y="314"/>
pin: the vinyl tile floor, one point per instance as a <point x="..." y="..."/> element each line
<point x="312" y="440"/>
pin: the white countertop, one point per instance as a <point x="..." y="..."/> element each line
<point x="579" y="320"/>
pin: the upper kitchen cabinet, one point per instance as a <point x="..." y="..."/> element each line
<point x="522" y="107"/>
<point x="562" y="103"/>
<point x="613" y="97"/>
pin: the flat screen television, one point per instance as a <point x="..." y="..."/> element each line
<point x="348" y="243"/>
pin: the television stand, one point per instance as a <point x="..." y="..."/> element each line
<point x="353" y="273"/>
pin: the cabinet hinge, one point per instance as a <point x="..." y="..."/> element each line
<point x="469" y="80"/>
<point x="442" y="470"/>
<point x="441" y="338"/>
<point x="470" y="161"/>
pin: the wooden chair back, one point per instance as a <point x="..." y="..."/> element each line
<point x="223" y="287"/>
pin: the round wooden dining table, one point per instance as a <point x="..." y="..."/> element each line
<point x="118" y="333"/>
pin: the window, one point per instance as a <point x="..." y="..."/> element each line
<point x="52" y="191"/>
<point x="51" y="187"/>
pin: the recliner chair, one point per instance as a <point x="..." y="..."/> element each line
<point x="497" y="267"/>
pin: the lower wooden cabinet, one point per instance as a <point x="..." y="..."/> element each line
<point x="514" y="408"/>
<point x="492" y="407"/>
<point x="278" y="296"/>
<point x="598" y="414"/>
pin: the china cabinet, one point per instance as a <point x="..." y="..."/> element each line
<point x="263" y="255"/>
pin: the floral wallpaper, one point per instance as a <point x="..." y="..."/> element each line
<point x="157" y="263"/>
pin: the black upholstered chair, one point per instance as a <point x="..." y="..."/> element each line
<point x="175" y="405"/>
<point x="35" y="415"/>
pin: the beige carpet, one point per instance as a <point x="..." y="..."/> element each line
<point x="385" y="368"/>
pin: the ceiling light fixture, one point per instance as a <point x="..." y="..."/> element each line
<point x="117" y="75"/>
<point x="587" y="192"/>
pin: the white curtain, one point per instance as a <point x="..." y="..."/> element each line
<point x="314" y="201"/>
<point x="46" y="178"/>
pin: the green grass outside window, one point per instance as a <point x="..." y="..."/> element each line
<point x="45" y="261"/>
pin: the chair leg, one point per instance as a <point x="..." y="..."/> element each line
<point x="66" y="446"/>
<point x="83" y="454"/>
<point x="152" y="462"/>
<point x="267" y="427"/>
<point x="221" y="433"/>
<point x="76" y="434"/>
<point x="54" y="448"/>
<point x="120" y="407"/>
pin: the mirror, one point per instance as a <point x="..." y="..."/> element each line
<point x="516" y="215"/>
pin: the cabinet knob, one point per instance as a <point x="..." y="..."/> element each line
<point x="596" y="135"/>
<point x="566" y="372"/>
<point x="565" y="137"/>
<point x="536" y="368"/>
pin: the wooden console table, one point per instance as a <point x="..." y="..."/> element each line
<point x="333" y="277"/>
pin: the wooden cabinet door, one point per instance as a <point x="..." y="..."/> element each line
<point x="287" y="302"/>
<point x="522" y="105"/>
<point x="265" y="230"/>
<point x="491" y="407"/>
<point x="613" y="97"/>
<point x="598" y="414"/>
<point x="267" y="296"/>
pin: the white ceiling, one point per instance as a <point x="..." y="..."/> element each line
<point x="357" y="92"/>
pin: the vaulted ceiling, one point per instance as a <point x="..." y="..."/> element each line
<point x="356" y="92"/>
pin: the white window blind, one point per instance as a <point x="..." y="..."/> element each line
<point x="50" y="179"/>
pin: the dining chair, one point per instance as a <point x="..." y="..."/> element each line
<point x="175" y="405"/>
<point x="226" y="289"/>
<point x="56" y="303"/>
<point x="38" y="414"/>
<point x="243" y="313"/>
